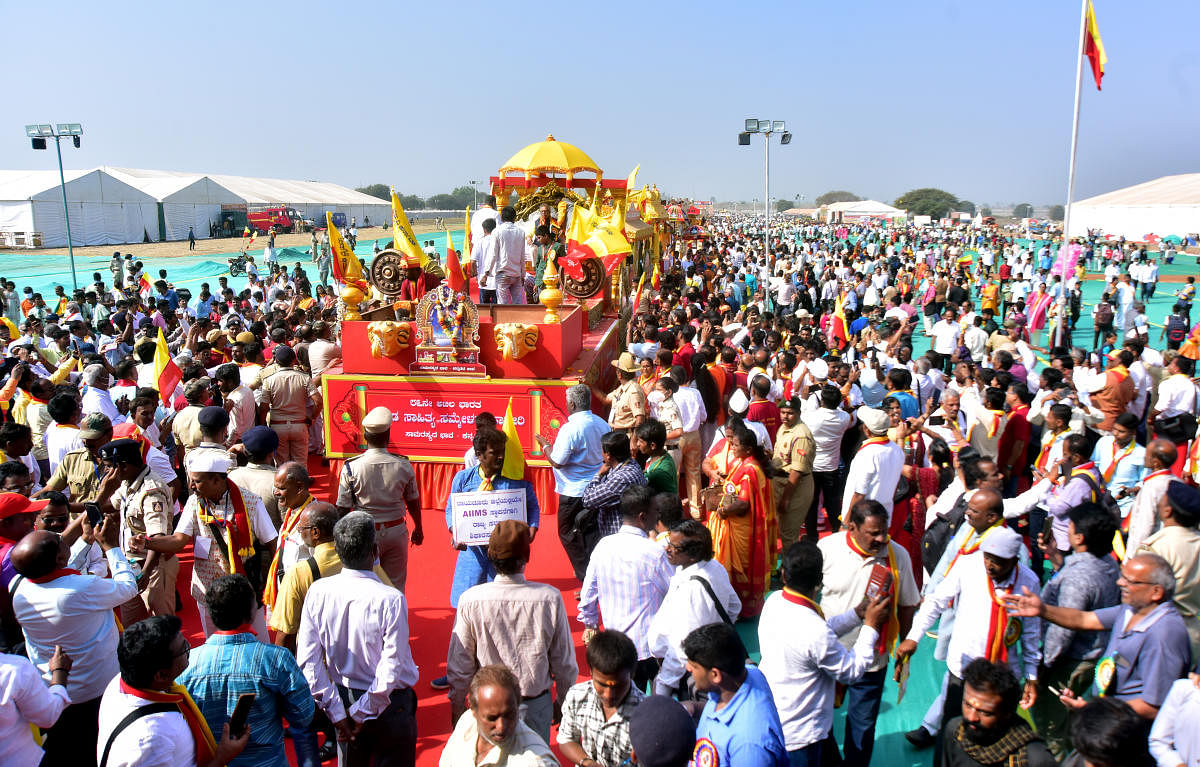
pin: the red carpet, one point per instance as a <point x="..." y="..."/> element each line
<point x="430" y="570"/>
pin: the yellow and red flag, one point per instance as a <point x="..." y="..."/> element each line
<point x="403" y="238"/>
<point x="593" y="237"/>
<point x="467" y="231"/>
<point x="346" y="266"/>
<point x="144" y="286"/>
<point x="1093" y="48"/>
<point x="637" y="297"/>
<point x="454" y="273"/>
<point x="514" y="454"/>
<point x="167" y="374"/>
<point x="839" y="329"/>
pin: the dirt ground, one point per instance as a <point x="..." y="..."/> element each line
<point x="156" y="250"/>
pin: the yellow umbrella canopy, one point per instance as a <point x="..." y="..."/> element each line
<point x="550" y="156"/>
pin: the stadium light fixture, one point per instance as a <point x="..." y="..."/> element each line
<point x="766" y="127"/>
<point x="38" y="134"/>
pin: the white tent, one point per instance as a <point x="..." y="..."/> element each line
<point x="845" y="211"/>
<point x="1167" y="205"/>
<point x="311" y="199"/>
<point x="185" y="200"/>
<point x="103" y="209"/>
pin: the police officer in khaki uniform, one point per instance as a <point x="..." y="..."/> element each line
<point x="144" y="503"/>
<point x="383" y="485"/>
<point x="793" y="457"/>
<point x="628" y="400"/>
<point x="79" y="471"/>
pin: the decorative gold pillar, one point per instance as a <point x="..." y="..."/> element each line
<point x="551" y="297"/>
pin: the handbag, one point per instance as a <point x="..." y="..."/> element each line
<point x="714" y="498"/>
<point x="1177" y="428"/>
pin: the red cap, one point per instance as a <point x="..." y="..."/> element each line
<point x="12" y="504"/>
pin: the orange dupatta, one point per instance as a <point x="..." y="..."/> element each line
<point x="206" y="745"/>
<point x="746" y="545"/>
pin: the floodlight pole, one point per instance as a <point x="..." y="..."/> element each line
<point x="767" y="203"/>
<point x="66" y="212"/>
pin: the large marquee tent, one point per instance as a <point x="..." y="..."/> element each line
<point x="111" y="205"/>
<point x="103" y="208"/>
<point x="861" y="209"/>
<point x="1164" y="206"/>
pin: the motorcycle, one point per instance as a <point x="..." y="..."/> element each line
<point x="237" y="265"/>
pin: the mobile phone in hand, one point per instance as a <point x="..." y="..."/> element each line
<point x="237" y="721"/>
<point x="94" y="515"/>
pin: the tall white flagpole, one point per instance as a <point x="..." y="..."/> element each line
<point x="1066" y="244"/>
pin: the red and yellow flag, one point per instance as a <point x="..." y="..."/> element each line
<point x="514" y="453"/>
<point x="166" y="373"/>
<point x="403" y="238"/>
<point x="839" y="329"/>
<point x="454" y="273"/>
<point x="1093" y="48"/>
<point x="346" y="266"/>
<point x="637" y="297"/>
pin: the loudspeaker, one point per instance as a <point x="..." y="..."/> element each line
<point x="76" y="140"/>
<point x="743" y="140"/>
<point x="38" y="143"/>
<point x="786" y="138"/>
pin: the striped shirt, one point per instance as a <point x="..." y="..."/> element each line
<point x="231" y="664"/>
<point x="626" y="580"/>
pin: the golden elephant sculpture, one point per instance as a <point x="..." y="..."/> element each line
<point x="516" y="339"/>
<point x="389" y="338"/>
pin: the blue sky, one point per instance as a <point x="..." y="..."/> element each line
<point x="881" y="97"/>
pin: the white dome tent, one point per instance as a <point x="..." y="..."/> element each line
<point x="1164" y="206"/>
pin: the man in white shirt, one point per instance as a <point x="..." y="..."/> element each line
<point x="239" y="402"/>
<point x="700" y="593"/>
<point x="692" y="414"/>
<point x="946" y="332"/>
<point x="97" y="398"/>
<point x="491" y="730"/>
<point x="59" y="607"/>
<point x="64" y="435"/>
<point x="827" y="423"/>
<point x="983" y="627"/>
<point x="353" y="646"/>
<point x="484" y="261"/>
<point x="875" y="470"/>
<point x="801" y="656"/>
<point x="26" y="704"/>
<point x="174" y="734"/>
<point x="486" y="212"/>
<point x="851" y="563"/>
<point x="510" y="259"/>
<point x="626" y="580"/>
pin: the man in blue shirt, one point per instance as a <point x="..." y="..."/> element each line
<point x="739" y="726"/>
<point x="1148" y="648"/>
<point x="234" y="662"/>
<point x="473" y="566"/>
<point x="575" y="458"/>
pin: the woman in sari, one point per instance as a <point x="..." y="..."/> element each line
<point x="925" y="484"/>
<point x="1039" y="304"/>
<point x="648" y="376"/>
<point x="744" y="527"/>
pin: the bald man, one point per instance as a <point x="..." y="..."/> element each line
<point x="292" y="495"/>
<point x="1143" y="513"/>
<point x="59" y="606"/>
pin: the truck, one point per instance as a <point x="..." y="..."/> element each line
<point x="283" y="219"/>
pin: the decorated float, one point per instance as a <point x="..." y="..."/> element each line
<point x="438" y="359"/>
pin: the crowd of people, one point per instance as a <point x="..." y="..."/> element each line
<point x="847" y="443"/>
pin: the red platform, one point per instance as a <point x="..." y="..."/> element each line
<point x="433" y="416"/>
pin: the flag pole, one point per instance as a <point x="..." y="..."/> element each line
<point x="1066" y="244"/>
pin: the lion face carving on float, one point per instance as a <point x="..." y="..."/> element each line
<point x="516" y="339"/>
<point x="389" y="338"/>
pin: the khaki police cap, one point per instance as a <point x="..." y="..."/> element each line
<point x="378" y="421"/>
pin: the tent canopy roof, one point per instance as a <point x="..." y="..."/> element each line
<point x="1181" y="189"/>
<point x="95" y="185"/>
<point x="259" y="191"/>
<point x="864" y="206"/>
<point x="28" y="184"/>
